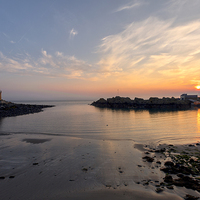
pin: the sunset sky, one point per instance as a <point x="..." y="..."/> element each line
<point x="87" y="49"/>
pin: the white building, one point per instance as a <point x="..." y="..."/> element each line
<point x="186" y="97"/>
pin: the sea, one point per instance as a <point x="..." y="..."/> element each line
<point x="81" y="120"/>
<point x="74" y="148"/>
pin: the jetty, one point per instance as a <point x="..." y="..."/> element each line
<point x="139" y="103"/>
<point x="9" y="109"/>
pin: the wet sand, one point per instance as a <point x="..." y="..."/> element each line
<point x="39" y="166"/>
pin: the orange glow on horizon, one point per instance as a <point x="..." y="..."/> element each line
<point x="197" y="87"/>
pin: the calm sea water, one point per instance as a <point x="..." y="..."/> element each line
<point x="79" y="119"/>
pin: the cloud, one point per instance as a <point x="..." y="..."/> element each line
<point x="14" y="65"/>
<point x="72" y="33"/>
<point x="55" y="65"/>
<point x="151" y="51"/>
<point x="5" y="35"/>
<point x="154" y="50"/>
<point x="12" y="42"/>
<point x="129" y="6"/>
<point x="148" y="52"/>
<point x="183" y="11"/>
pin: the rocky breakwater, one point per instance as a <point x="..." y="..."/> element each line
<point x="8" y="109"/>
<point x="152" y="102"/>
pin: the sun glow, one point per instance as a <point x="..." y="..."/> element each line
<point x="197" y="87"/>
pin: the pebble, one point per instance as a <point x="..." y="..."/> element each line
<point x="158" y="190"/>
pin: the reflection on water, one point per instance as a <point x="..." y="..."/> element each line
<point x="78" y="119"/>
<point x="1" y="121"/>
<point x="198" y="120"/>
<point x="154" y="125"/>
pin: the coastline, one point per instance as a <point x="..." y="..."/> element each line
<point x="9" y="109"/>
<point x="67" y="166"/>
<point x="60" y="167"/>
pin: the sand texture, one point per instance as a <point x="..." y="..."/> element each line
<point x="40" y="166"/>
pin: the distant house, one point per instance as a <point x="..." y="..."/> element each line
<point x="186" y="97"/>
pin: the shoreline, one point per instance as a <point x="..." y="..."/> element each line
<point x="9" y="109"/>
<point x="76" y="168"/>
<point x="67" y="166"/>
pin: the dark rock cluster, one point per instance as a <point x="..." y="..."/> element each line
<point x="181" y="166"/>
<point x="152" y="102"/>
<point x="9" y="109"/>
<point x="183" y="181"/>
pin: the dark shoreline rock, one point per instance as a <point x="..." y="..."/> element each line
<point x="8" y="109"/>
<point x="138" y="103"/>
<point x="181" y="166"/>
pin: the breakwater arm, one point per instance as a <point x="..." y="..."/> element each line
<point x="9" y="109"/>
<point x="152" y="102"/>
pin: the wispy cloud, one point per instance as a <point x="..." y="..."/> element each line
<point x="153" y="49"/>
<point x="5" y="35"/>
<point x="130" y="6"/>
<point x="72" y="33"/>
<point x="56" y="65"/>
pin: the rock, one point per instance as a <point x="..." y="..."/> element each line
<point x="193" y="159"/>
<point x="85" y="169"/>
<point x="187" y="182"/>
<point x="139" y="100"/>
<point x="146" y="183"/>
<point x="35" y="163"/>
<point x="170" y="187"/>
<point x="108" y="185"/>
<point x="148" y="159"/>
<point x="152" y="102"/>
<point x="180" y="175"/>
<point x="11" y="109"/>
<point x="158" y="190"/>
<point x="190" y="197"/>
<point x="160" y="150"/>
<point x="191" y="145"/>
<point x="177" y="169"/>
<point x="169" y="163"/>
<point x="168" y="179"/>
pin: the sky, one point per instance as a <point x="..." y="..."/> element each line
<point x="87" y="49"/>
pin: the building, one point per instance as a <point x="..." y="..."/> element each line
<point x="187" y="97"/>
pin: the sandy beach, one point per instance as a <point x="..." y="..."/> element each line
<point x="42" y="166"/>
